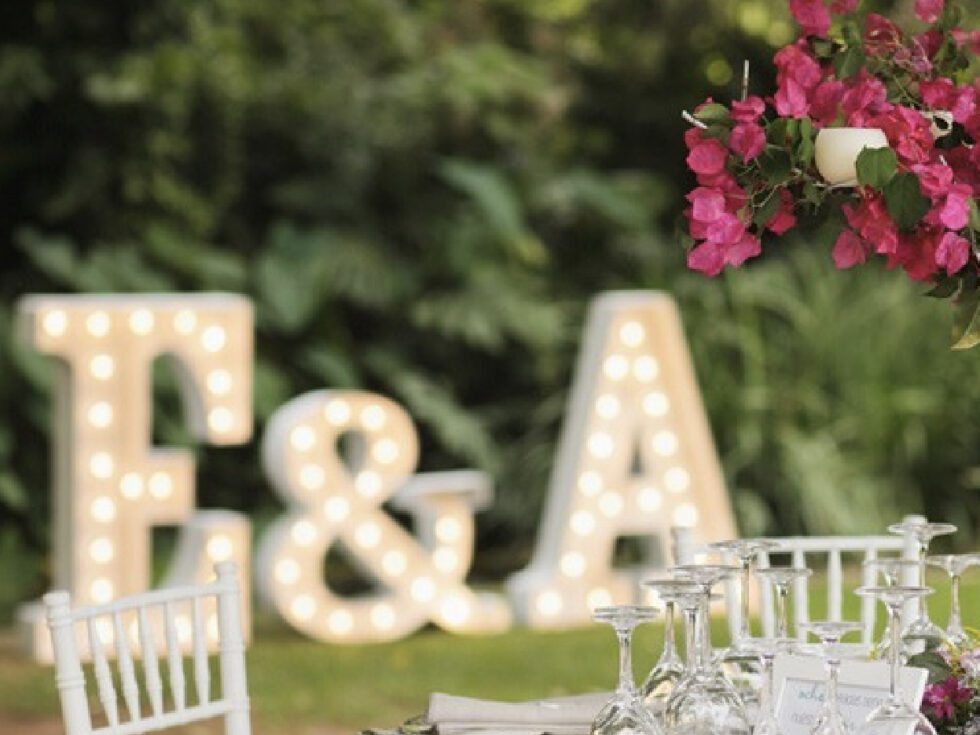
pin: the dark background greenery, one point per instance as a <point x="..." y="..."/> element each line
<point x="421" y="197"/>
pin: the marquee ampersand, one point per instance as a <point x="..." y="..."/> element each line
<point x="335" y="499"/>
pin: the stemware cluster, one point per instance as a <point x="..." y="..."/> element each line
<point x="730" y="691"/>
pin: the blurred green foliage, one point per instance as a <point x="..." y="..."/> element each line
<point x="420" y="197"/>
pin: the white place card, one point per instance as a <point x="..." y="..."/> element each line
<point x="800" y="686"/>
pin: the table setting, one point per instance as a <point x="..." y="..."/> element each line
<point x="697" y="692"/>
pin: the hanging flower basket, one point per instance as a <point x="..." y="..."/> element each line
<point x="869" y="141"/>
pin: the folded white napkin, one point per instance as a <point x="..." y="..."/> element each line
<point x="559" y="716"/>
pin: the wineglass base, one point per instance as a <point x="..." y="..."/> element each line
<point x="893" y="717"/>
<point x="625" y="717"/>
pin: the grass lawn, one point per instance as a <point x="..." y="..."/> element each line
<point x="298" y="686"/>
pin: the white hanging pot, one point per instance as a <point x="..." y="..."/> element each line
<point x="836" y="151"/>
<point x="940" y="122"/>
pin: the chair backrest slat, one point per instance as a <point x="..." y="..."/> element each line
<point x="127" y="674"/>
<point x="801" y="598"/>
<point x="103" y="674"/>
<point x="175" y="662"/>
<point x="151" y="664"/>
<point x="146" y="627"/>
<point x="835" y="585"/>
<point x="202" y="675"/>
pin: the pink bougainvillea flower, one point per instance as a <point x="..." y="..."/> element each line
<point x="966" y="166"/>
<point x="938" y="94"/>
<point x="882" y="38"/>
<point x="916" y="252"/>
<point x="934" y="179"/>
<point x="849" y="250"/>
<point x="964" y="104"/>
<point x="692" y="136"/>
<point x="930" y="41"/>
<point x="707" y="157"/>
<point x="794" y="62"/>
<point x="747" y="140"/>
<point x="784" y="219"/>
<point x="909" y="134"/>
<point x="825" y="102"/>
<point x="953" y="252"/>
<point x="726" y="231"/>
<point x="791" y="100"/>
<point x="871" y="220"/>
<point x="748" y="110"/>
<point x="707" y="205"/>
<point x="941" y="699"/>
<point x="970" y="39"/>
<point x="747" y="247"/>
<point x="865" y="98"/>
<point x="955" y="214"/>
<point x="914" y="58"/>
<point x="812" y="15"/>
<point x="706" y="258"/>
<point x="928" y="11"/>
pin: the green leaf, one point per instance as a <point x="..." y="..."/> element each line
<point x="804" y="149"/>
<point x="767" y="211"/>
<point x="776" y="165"/>
<point x="849" y="62"/>
<point x="932" y="662"/>
<point x="974" y="215"/>
<point x="826" y="234"/>
<point x="813" y="194"/>
<point x="822" y="49"/>
<point x="713" y="113"/>
<point x="876" y="167"/>
<point x="966" y="321"/>
<point x="777" y="131"/>
<point x="944" y="288"/>
<point x="905" y="201"/>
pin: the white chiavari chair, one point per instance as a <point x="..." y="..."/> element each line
<point x="816" y="552"/>
<point x="143" y="627"/>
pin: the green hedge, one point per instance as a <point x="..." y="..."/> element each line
<point x="420" y="197"/>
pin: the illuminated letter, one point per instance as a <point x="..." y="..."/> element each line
<point x="636" y="457"/>
<point x="110" y="485"/>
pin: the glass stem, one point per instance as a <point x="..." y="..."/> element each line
<point x="833" y="669"/>
<point x="955" y="623"/>
<point x="706" y="630"/>
<point x="923" y="607"/>
<point x="668" y="652"/>
<point x="626" y="684"/>
<point x="744" y="632"/>
<point x="893" y="653"/>
<point x="766" y="703"/>
<point x="781" y="626"/>
<point x="690" y="638"/>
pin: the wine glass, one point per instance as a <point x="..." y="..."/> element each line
<point x="890" y="569"/>
<point x="625" y="714"/>
<point x="741" y="660"/>
<point x="894" y="715"/>
<point x="830" y="633"/>
<point x="922" y="628"/>
<point x="704" y="702"/>
<point x="745" y="550"/>
<point x="781" y="578"/>
<point x="669" y="669"/>
<point x="954" y="565"/>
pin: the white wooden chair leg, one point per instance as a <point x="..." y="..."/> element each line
<point x="234" y="688"/>
<point x="69" y="677"/>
